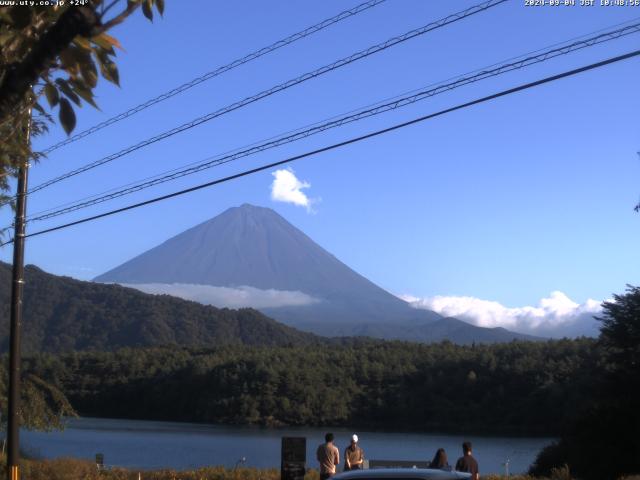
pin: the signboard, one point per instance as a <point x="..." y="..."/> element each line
<point x="293" y="458"/>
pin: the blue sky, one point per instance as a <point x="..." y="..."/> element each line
<point x="506" y="201"/>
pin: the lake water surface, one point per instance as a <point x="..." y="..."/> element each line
<point x="151" y="445"/>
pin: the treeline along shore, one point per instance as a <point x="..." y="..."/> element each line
<point x="528" y="388"/>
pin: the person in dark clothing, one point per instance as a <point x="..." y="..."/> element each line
<point x="440" y="460"/>
<point x="467" y="463"/>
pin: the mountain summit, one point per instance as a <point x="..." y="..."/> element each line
<point x="245" y="245"/>
<point x="255" y="247"/>
<point x="250" y="250"/>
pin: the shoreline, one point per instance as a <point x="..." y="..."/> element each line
<point x="441" y="431"/>
<point x="153" y="445"/>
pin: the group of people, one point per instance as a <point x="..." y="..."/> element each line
<point x="328" y="456"/>
<point x="466" y="463"/>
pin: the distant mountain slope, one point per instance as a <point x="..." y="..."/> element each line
<point x="451" y="329"/>
<point x="254" y="246"/>
<point x="62" y="314"/>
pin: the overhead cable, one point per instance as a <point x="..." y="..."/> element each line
<point x="380" y="102"/>
<point x="334" y="146"/>
<point x="342" y="120"/>
<point x="218" y="71"/>
<point x="278" y="88"/>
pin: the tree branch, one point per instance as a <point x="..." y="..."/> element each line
<point x="81" y="20"/>
<point x="118" y="19"/>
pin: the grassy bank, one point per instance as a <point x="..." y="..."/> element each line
<point x="74" y="469"/>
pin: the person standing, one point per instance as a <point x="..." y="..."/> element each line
<point x="328" y="456"/>
<point x="467" y="463"/>
<point x="353" y="455"/>
<point x="440" y="460"/>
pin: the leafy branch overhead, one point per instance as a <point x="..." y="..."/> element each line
<point x="43" y="405"/>
<point x="57" y="53"/>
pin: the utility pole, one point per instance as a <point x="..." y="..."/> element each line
<point x="17" y="287"/>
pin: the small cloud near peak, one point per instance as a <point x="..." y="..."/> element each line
<point x="287" y="188"/>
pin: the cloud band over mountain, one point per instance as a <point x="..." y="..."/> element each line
<point x="250" y="256"/>
<point x="554" y="316"/>
<point x="228" y="297"/>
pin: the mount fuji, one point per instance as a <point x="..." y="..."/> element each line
<point x="250" y="256"/>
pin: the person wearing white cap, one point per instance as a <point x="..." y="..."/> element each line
<point x="353" y="455"/>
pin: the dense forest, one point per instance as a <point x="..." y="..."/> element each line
<point x="519" y="387"/>
<point x="63" y="314"/>
<point x="241" y="367"/>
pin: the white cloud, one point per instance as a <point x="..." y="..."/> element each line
<point x="287" y="188"/>
<point x="555" y="316"/>
<point x="227" y="296"/>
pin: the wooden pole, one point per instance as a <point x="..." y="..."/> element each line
<point x="17" y="287"/>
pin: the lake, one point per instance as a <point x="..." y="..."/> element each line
<point x="151" y="445"/>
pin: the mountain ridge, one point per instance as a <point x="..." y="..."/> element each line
<point x="256" y="247"/>
<point x="65" y="314"/>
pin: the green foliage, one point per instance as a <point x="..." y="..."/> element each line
<point x="520" y="387"/>
<point x="74" y="469"/>
<point x="620" y="335"/>
<point x="42" y="405"/>
<point x="55" y="52"/>
<point x="63" y="314"/>
<point x="602" y="442"/>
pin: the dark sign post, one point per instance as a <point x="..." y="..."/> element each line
<point x="100" y="461"/>
<point x="293" y="458"/>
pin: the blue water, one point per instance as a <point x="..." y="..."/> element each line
<point x="150" y="445"/>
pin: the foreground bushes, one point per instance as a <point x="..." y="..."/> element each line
<point x="75" y="469"/>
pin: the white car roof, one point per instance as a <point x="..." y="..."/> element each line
<point x="401" y="474"/>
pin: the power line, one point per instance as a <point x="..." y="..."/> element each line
<point x="219" y="71"/>
<point x="395" y="97"/>
<point x="334" y="146"/>
<point x="278" y="88"/>
<point x="340" y="121"/>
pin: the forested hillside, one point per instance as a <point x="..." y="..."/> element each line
<point x="63" y="314"/>
<point x="520" y="387"/>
